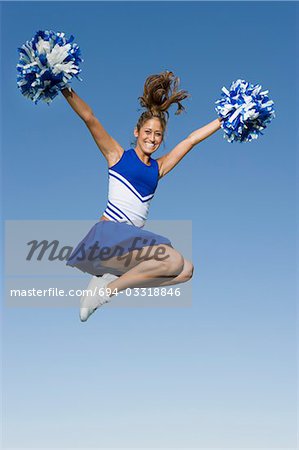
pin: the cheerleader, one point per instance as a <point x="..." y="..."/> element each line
<point x="134" y="257"/>
<point x="117" y="251"/>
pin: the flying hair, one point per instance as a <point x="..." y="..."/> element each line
<point x="159" y="93"/>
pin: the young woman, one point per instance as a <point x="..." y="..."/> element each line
<point x="134" y="257"/>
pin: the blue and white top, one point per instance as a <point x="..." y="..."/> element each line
<point x="132" y="185"/>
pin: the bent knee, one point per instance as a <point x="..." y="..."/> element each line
<point x="172" y="262"/>
<point x="187" y="272"/>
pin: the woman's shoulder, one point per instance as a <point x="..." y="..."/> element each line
<point x="125" y="154"/>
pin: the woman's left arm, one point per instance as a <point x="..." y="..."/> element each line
<point x="170" y="160"/>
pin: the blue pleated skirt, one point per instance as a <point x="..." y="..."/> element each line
<point x="108" y="239"/>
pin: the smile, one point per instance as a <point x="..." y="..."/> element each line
<point x="148" y="145"/>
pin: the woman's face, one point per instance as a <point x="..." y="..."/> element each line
<point x="150" y="136"/>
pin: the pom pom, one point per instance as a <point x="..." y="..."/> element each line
<point x="47" y="64"/>
<point x="245" y="109"/>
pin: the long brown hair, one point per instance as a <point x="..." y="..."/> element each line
<point x="159" y="93"/>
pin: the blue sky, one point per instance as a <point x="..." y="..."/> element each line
<point x="221" y="374"/>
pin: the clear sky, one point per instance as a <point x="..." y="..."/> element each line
<point x="222" y="373"/>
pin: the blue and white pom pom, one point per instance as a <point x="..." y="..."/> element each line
<point x="47" y="65"/>
<point x="245" y="111"/>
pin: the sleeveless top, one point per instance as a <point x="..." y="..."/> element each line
<point x="132" y="185"/>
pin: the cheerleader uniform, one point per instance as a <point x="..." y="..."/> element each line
<point x="132" y="185"/>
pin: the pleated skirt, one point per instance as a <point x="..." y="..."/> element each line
<point x="108" y="239"/>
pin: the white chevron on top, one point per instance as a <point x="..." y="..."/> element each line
<point x="127" y="183"/>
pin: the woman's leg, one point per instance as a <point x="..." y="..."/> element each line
<point x="185" y="275"/>
<point x="136" y="271"/>
<point x="151" y="271"/>
<point x="145" y="275"/>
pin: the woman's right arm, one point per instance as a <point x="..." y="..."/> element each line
<point x="108" y="146"/>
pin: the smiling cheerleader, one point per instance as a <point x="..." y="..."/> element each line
<point x="134" y="257"/>
<point x="133" y="178"/>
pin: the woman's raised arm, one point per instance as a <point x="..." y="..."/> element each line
<point x="170" y="160"/>
<point x="110" y="148"/>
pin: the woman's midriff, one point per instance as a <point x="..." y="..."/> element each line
<point x="104" y="218"/>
